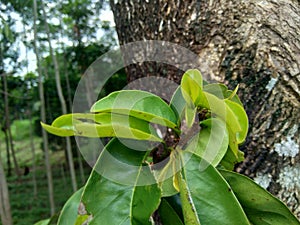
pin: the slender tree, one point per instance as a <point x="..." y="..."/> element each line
<point x="7" y="126"/>
<point x="62" y="100"/>
<point x="43" y="114"/>
<point x="5" y="212"/>
<point x="252" y="43"/>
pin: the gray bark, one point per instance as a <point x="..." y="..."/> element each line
<point x="252" y="43"/>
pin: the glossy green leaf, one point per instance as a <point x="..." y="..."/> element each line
<point x="232" y="113"/>
<point x="178" y="104"/>
<point x="165" y="176"/>
<point x="109" y="200"/>
<point x="69" y="213"/>
<point x="190" y="116"/>
<point x="237" y="117"/>
<point x="260" y="206"/>
<point x="102" y="125"/>
<point x="168" y="214"/>
<point x="231" y="159"/>
<point x="213" y="198"/>
<point x="211" y="143"/>
<point x="242" y="118"/>
<point x="139" y="104"/>
<point x="219" y="90"/>
<point x="191" y="87"/>
<point x="58" y="131"/>
<point x="222" y="92"/>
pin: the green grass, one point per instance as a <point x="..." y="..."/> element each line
<point x="26" y="209"/>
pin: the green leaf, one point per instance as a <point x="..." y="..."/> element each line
<point x="260" y="206"/>
<point x="191" y="87"/>
<point x="168" y="214"/>
<point x="237" y="117"/>
<point x="233" y="114"/>
<point x="230" y="159"/>
<point x="58" y="131"/>
<point x="222" y="92"/>
<point x="43" y="222"/>
<point x="102" y="125"/>
<point x="69" y="213"/>
<point x="213" y="198"/>
<point x="139" y="104"/>
<point x="109" y="200"/>
<point x="219" y="90"/>
<point x="178" y="104"/>
<point x="211" y="143"/>
<point x="241" y="117"/>
<point x="190" y="115"/>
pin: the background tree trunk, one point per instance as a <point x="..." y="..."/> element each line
<point x="7" y="127"/>
<point x="62" y="101"/>
<point x="5" y="212"/>
<point x="252" y="43"/>
<point x="43" y="115"/>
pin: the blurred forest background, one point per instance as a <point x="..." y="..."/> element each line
<point x="53" y="42"/>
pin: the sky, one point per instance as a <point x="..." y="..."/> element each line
<point x="106" y="15"/>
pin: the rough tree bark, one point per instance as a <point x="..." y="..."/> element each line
<point x="253" y="43"/>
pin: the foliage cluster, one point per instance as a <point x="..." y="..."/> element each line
<point x="185" y="176"/>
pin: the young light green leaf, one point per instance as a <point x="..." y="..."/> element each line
<point x="168" y="214"/>
<point x="191" y="87"/>
<point x="232" y="113"/>
<point x="242" y="119"/>
<point x="58" y="131"/>
<point x="109" y="200"/>
<point x="178" y="104"/>
<point x="219" y="90"/>
<point x="260" y="206"/>
<point x="102" y="125"/>
<point x="69" y="212"/>
<point x="139" y="104"/>
<point x="211" y="143"/>
<point x="233" y="92"/>
<point x="231" y="159"/>
<point x="222" y="92"/>
<point x="165" y="176"/>
<point x="190" y="115"/>
<point x="213" y="198"/>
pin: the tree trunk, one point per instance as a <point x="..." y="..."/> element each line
<point x="7" y="126"/>
<point x="252" y="43"/>
<point x="33" y="154"/>
<point x="43" y="115"/>
<point x="8" y="163"/>
<point x="5" y="212"/>
<point x="62" y="101"/>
